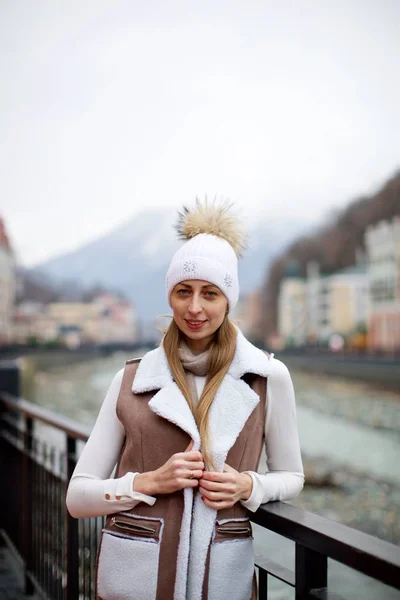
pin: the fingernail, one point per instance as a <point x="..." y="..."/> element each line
<point x="202" y="497"/>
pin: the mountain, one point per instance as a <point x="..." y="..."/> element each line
<point x="133" y="259"/>
<point x="34" y="287"/>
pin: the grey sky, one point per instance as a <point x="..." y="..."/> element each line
<point x="108" y="107"/>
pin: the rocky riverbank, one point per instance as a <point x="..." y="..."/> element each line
<point x="335" y="492"/>
<point x="368" y="405"/>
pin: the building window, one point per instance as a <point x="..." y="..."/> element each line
<point x="383" y="290"/>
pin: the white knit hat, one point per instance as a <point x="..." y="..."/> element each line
<point x="214" y="239"/>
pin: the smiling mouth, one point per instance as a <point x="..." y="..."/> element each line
<point x="195" y="324"/>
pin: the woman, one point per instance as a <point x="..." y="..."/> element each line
<point x="185" y="426"/>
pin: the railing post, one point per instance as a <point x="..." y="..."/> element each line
<point x="72" y="588"/>
<point x="3" y="473"/>
<point x="27" y="503"/>
<point x="262" y="584"/>
<point x="311" y="571"/>
<point x="10" y="380"/>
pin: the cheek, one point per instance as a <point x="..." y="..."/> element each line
<point x="176" y="306"/>
<point x="218" y="311"/>
<point x="177" y="312"/>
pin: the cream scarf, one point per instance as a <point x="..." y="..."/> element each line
<point x="194" y="364"/>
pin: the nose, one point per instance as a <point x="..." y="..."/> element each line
<point x="195" y="306"/>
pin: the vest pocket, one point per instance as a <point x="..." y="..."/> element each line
<point x="233" y="529"/>
<point x="134" y="527"/>
<point x="231" y="569"/>
<point x="128" y="557"/>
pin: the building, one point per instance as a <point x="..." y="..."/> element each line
<point x="116" y="322"/>
<point x="348" y="301"/>
<point x="317" y="307"/>
<point x="107" y="319"/>
<point x="292" y="308"/>
<point x="7" y="286"/>
<point x="74" y="321"/>
<point x="31" y="324"/>
<point x="247" y="315"/>
<point x="382" y="243"/>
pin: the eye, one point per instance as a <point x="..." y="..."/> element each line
<point x="182" y="292"/>
<point x="211" y="294"/>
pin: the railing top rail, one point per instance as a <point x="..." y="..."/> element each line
<point x="30" y="410"/>
<point x="365" y="553"/>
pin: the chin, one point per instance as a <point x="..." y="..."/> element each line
<point x="196" y="334"/>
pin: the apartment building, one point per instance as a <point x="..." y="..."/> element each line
<point x="382" y="243"/>
<point x="317" y="307"/>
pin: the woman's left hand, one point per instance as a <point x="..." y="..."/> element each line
<point x="223" y="490"/>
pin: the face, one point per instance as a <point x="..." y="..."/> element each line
<point x="199" y="309"/>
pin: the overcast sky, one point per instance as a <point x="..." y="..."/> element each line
<point x="290" y="108"/>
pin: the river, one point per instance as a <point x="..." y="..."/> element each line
<point x="350" y="440"/>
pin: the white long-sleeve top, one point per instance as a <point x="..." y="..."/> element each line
<point x="92" y="492"/>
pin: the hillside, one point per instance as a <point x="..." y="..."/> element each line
<point x="333" y="246"/>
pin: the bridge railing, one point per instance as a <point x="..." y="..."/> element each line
<point x="38" y="453"/>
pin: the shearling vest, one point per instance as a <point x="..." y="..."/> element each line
<point x="140" y="556"/>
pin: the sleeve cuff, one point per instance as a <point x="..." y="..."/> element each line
<point x="122" y="489"/>
<point x="257" y="493"/>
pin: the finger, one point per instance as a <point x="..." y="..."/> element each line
<point x="217" y="505"/>
<point x="192" y="456"/>
<point x="188" y="483"/>
<point x="228" y="490"/>
<point x="193" y="466"/>
<point x="194" y="474"/>
<point x="216" y="476"/>
<point x="214" y="486"/>
<point x="215" y="496"/>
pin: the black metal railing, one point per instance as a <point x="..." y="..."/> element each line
<point x="38" y="452"/>
<point x="57" y="552"/>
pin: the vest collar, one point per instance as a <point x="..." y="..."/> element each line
<point x="153" y="372"/>
<point x="232" y="405"/>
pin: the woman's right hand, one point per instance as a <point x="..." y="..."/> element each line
<point x="182" y="470"/>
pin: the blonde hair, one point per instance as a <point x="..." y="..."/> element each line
<point x="221" y="354"/>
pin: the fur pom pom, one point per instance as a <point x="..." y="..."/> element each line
<point x="212" y="218"/>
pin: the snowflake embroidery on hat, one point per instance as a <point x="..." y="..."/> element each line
<point x="189" y="266"/>
<point x="228" y="280"/>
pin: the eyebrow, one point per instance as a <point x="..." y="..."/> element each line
<point x="208" y="285"/>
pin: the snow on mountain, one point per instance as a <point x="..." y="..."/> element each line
<point x="134" y="258"/>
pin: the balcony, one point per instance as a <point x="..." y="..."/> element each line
<point x="55" y="554"/>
